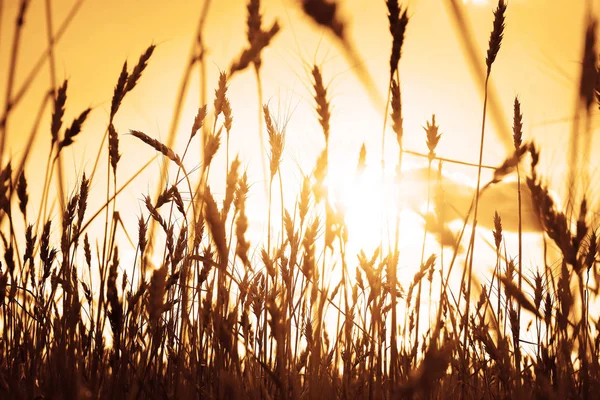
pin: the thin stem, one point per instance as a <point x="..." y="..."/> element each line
<point x="517" y="347"/>
<point x="52" y="70"/>
<point x="574" y="164"/>
<point x="381" y="213"/>
<point x="202" y="60"/>
<point x="28" y="81"/>
<point x="105" y="256"/>
<point x="45" y="188"/>
<point x="282" y="208"/>
<point x="422" y="256"/>
<point x="269" y="217"/>
<point x="448" y="160"/>
<point x="472" y="55"/>
<point x="472" y="245"/>
<point x="133" y="177"/>
<point x="193" y="58"/>
<point x="394" y="343"/>
<point x="265" y="323"/>
<point x="261" y="133"/>
<point x="12" y="68"/>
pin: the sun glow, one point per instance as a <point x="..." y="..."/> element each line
<point x="371" y="206"/>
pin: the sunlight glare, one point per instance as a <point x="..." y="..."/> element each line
<point x="370" y="207"/>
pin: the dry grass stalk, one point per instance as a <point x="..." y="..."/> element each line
<point x="59" y="111"/>
<point x="156" y="295"/>
<point x="322" y="102"/>
<point x="493" y="49"/>
<point x="113" y="147"/>
<point x="496" y="35"/>
<point x="9" y="100"/>
<point x="396" y="113"/>
<point x="213" y="142"/>
<point x="253" y="22"/>
<point x="398" y="20"/>
<point x="180" y="334"/>
<point x="232" y="181"/>
<point x="73" y="130"/>
<point x="518" y="139"/>
<point x="514" y="292"/>
<point x="22" y="194"/>
<point x="325" y="13"/>
<point x="276" y="142"/>
<point x="433" y="137"/>
<point x="220" y="95"/>
<point x="136" y="73"/>
<point x="243" y="246"/>
<point x="199" y="121"/>
<point x="119" y="91"/>
<point x="517" y="125"/>
<point x="249" y="55"/>
<point x="216" y="225"/>
<point x="158" y="146"/>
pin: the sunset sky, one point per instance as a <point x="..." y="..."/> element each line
<point x="539" y="61"/>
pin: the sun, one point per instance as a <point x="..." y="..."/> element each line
<point x="371" y="206"/>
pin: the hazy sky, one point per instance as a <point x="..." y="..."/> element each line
<point x="539" y="61"/>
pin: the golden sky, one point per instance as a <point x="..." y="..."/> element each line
<point x="539" y="61"/>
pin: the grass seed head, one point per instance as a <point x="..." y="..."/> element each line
<point x="115" y="314"/>
<point x="496" y="35"/>
<point x="251" y="54"/>
<point x="396" y="114"/>
<point x="22" y="194"/>
<point x="513" y="291"/>
<point x="254" y="20"/>
<point x="322" y="103"/>
<point x="276" y="142"/>
<point x="74" y="130"/>
<point x="135" y="75"/>
<point x="198" y="121"/>
<point x="142" y="230"/>
<point x="220" y="94"/>
<point x="158" y="146"/>
<point x="59" y="111"/>
<point x="241" y="226"/>
<point x="29" y="244"/>
<point x="592" y="251"/>
<point x="325" y="13"/>
<point x="212" y="144"/>
<point x="87" y="249"/>
<point x="398" y="24"/>
<point x="113" y="147"/>
<point x="119" y="91"/>
<point x="304" y="202"/>
<point x="156" y="294"/>
<point x="393" y="14"/>
<point x="232" y="180"/>
<point x="228" y="115"/>
<point x="517" y="125"/>
<point x="497" y="230"/>
<point x="216" y="225"/>
<point x="433" y="137"/>
<point x="589" y="71"/>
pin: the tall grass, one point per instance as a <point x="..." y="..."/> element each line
<point x="226" y="315"/>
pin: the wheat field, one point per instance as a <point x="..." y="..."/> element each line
<point x="211" y="248"/>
